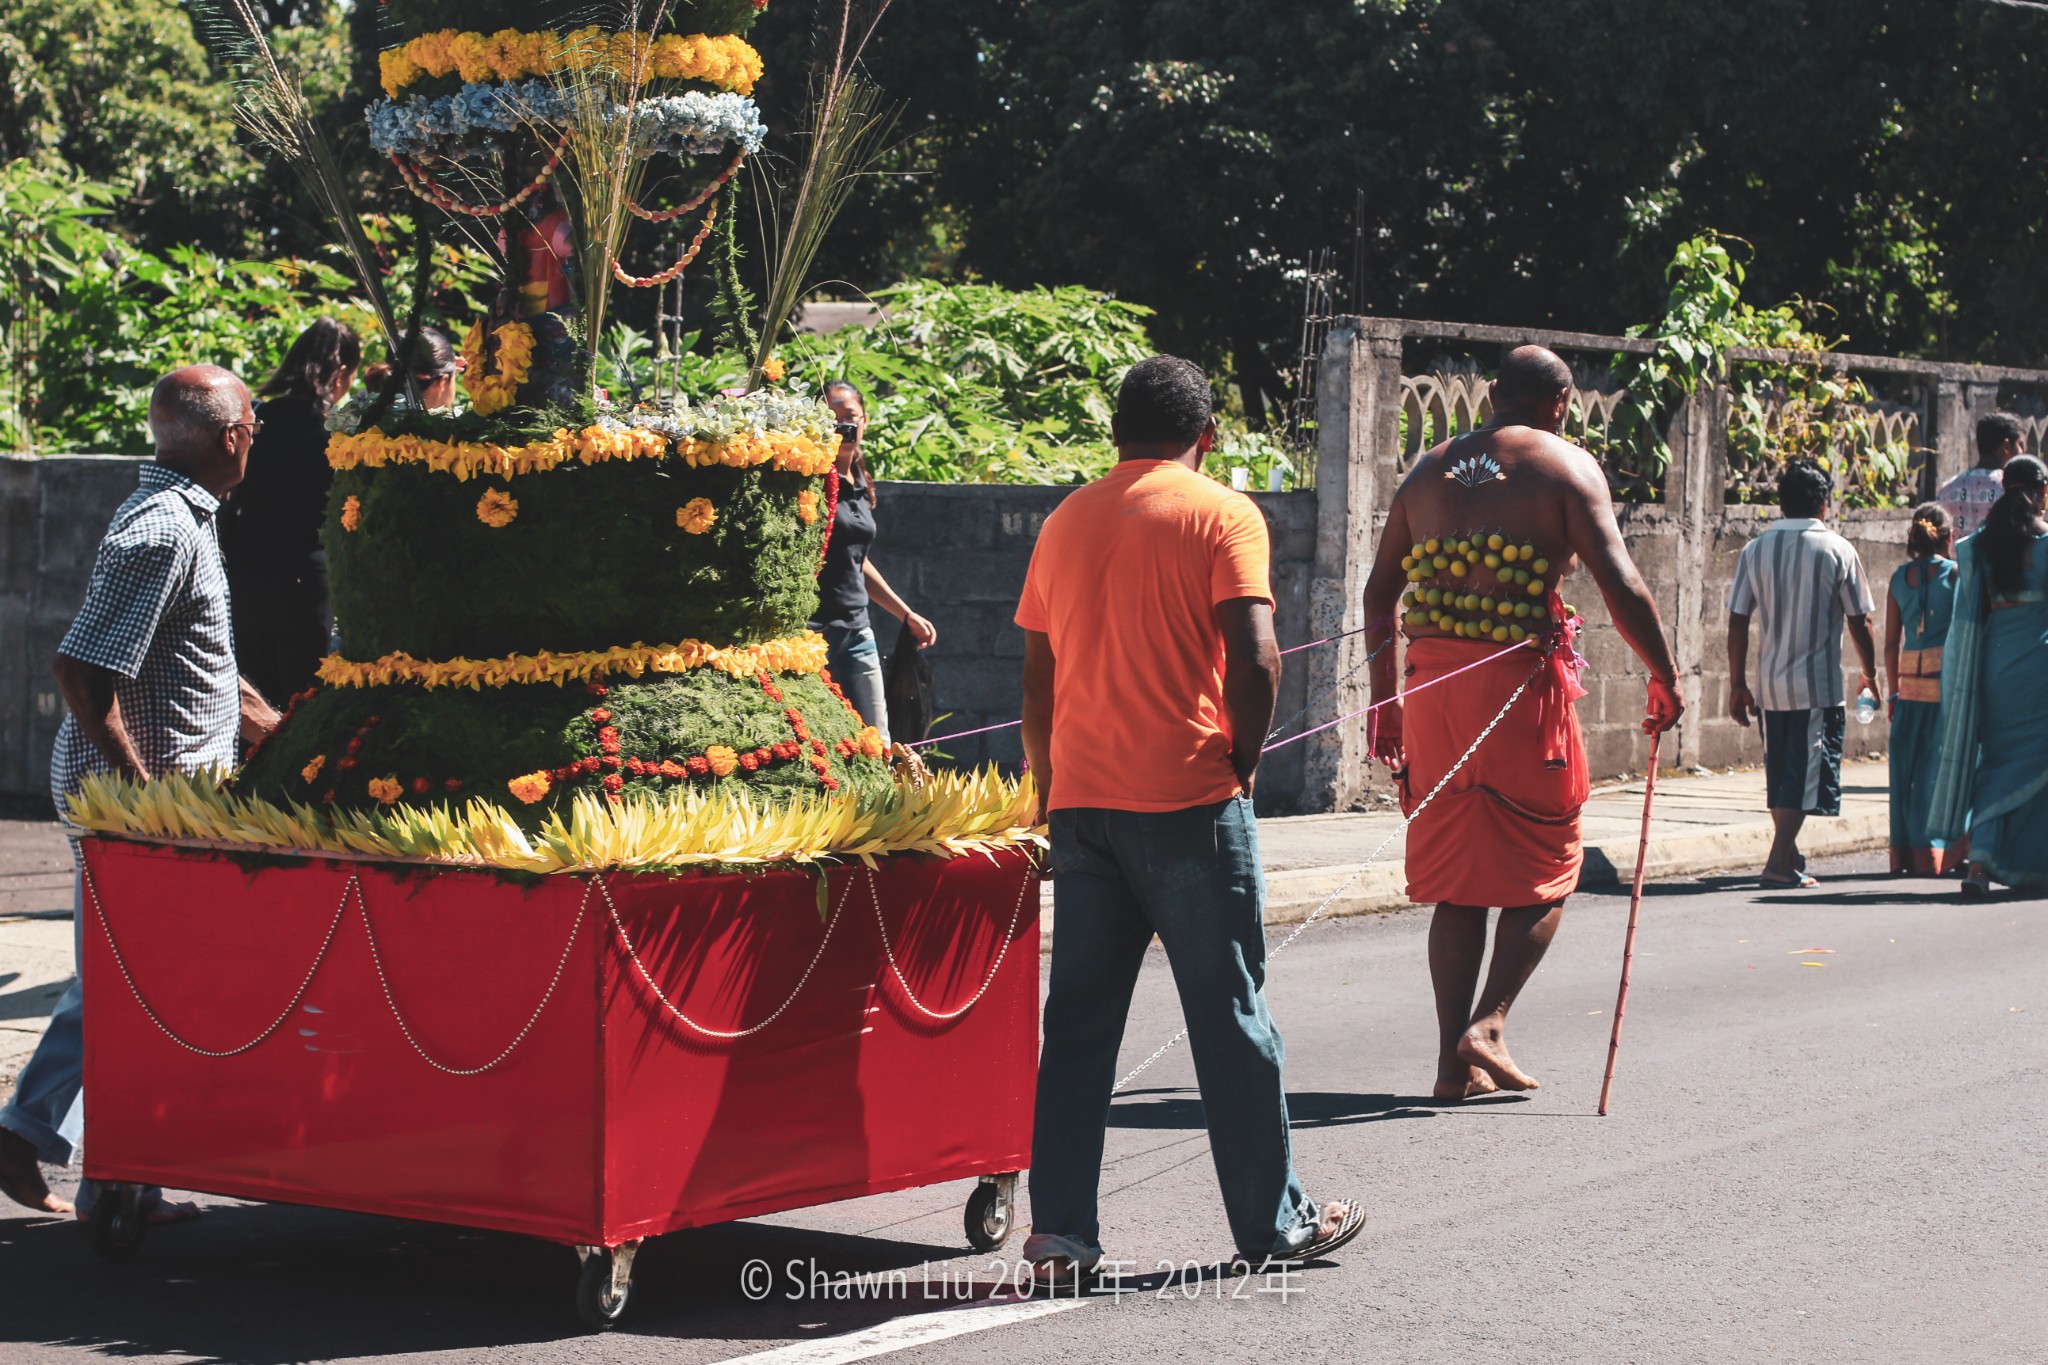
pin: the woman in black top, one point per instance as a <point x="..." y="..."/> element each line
<point x="277" y="573"/>
<point x="850" y="581"/>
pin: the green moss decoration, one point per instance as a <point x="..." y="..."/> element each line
<point x="423" y="574"/>
<point x="450" y="745"/>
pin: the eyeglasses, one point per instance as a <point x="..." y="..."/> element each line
<point x="255" y="428"/>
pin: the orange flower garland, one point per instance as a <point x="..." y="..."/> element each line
<point x="724" y="60"/>
<point x="385" y="789"/>
<point x="372" y="449"/>
<point x="803" y="653"/>
<point x="492" y="390"/>
<point x="351" y="512"/>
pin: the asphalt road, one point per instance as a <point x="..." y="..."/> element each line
<point x="1814" y="1155"/>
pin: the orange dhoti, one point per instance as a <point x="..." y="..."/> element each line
<point x="1505" y="828"/>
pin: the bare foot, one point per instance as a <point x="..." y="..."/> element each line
<point x="21" y="1179"/>
<point x="1485" y="1049"/>
<point x="1459" y="1080"/>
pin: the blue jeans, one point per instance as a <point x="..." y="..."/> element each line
<point x="855" y="663"/>
<point x="1192" y="877"/>
<point x="48" y="1108"/>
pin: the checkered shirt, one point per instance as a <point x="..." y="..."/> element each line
<point x="156" y="616"/>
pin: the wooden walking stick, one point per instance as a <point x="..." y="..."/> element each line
<point x="1635" y="912"/>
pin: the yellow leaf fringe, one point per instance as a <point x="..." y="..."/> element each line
<point x="803" y="653"/>
<point x="788" y="452"/>
<point x="949" y="815"/>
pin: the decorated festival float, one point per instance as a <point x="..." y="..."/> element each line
<point x="575" y="900"/>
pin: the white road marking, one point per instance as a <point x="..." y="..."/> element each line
<point x="904" y="1333"/>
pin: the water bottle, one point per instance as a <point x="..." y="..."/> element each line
<point x="1866" y="707"/>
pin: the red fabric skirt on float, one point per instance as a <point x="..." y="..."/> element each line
<point x="586" y="1059"/>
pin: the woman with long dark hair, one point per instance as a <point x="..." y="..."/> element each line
<point x="849" y="580"/>
<point x="277" y="574"/>
<point x="1918" y="607"/>
<point x="1992" y="783"/>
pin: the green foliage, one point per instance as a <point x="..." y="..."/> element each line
<point x="91" y="320"/>
<point x="1800" y="407"/>
<point x="484" y="739"/>
<point x="594" y="558"/>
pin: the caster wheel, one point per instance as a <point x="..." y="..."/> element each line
<point x="987" y="1218"/>
<point x="605" y="1285"/>
<point x="118" y="1225"/>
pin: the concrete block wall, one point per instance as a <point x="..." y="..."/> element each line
<point x="52" y="514"/>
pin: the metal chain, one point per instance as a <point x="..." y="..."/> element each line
<point x="93" y="891"/>
<point x="889" y="951"/>
<point x="670" y="1005"/>
<point x="1370" y="859"/>
<point x="377" y="960"/>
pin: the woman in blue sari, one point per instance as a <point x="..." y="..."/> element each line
<point x="1992" y="779"/>
<point x="1918" y="606"/>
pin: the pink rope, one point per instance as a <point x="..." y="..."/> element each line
<point x="1404" y="695"/>
<point x="963" y="734"/>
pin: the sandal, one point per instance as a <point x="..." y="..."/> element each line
<point x="1798" y="881"/>
<point x="1977" y="886"/>
<point x="1060" y="1257"/>
<point x="1320" y="1246"/>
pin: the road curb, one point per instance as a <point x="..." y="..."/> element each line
<point x="1380" y="887"/>
<point x="1292" y="896"/>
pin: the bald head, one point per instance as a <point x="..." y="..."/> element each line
<point x="1531" y="378"/>
<point x="201" y="418"/>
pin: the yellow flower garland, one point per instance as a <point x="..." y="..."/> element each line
<point x="372" y="449"/>
<point x="803" y="653"/>
<point x="492" y="390"/>
<point x="724" y="59"/>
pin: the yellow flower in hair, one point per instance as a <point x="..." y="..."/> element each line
<point x="529" y="788"/>
<point x="351" y="512"/>
<point x="721" y="759"/>
<point x="312" y="770"/>
<point x="696" y="516"/>
<point x="496" y="507"/>
<point x="385" y="789"/>
<point x="807" y="506"/>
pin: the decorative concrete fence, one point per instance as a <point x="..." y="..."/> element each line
<point x="1391" y="387"/>
<point x="958" y="553"/>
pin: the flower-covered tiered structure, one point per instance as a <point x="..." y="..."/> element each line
<point x="547" y="595"/>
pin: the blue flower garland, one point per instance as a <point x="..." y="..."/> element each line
<point x="691" y="124"/>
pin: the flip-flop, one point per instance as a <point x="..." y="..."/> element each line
<point x="1316" y="1248"/>
<point x="1799" y="881"/>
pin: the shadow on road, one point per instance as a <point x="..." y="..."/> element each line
<point x="1181" y="1107"/>
<point x="268" y="1284"/>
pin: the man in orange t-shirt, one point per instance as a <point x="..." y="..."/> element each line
<point x="1150" y="670"/>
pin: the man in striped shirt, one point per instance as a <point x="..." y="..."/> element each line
<point x="1805" y="581"/>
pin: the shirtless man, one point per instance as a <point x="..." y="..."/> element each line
<point x="1480" y="536"/>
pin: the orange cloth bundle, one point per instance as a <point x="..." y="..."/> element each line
<point x="1505" y="830"/>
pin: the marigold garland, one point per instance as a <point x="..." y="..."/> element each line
<point x="385" y="789"/>
<point x="372" y="449"/>
<point x="803" y="653"/>
<point x="722" y="59"/>
<point x="496" y="507"/>
<point x="807" y="506"/>
<point x="351" y="512"/>
<point x="696" y="516"/>
<point x="492" y="390"/>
